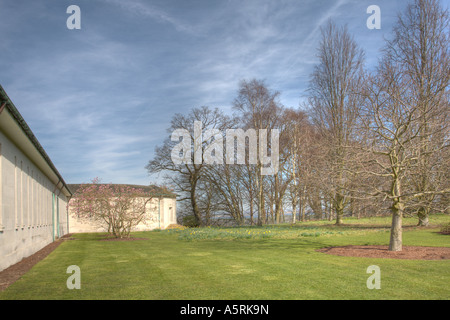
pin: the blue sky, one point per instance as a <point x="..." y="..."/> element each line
<point x="99" y="99"/>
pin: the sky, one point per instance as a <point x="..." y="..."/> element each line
<point x="100" y="98"/>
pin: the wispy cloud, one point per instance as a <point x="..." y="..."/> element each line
<point x="332" y="11"/>
<point x="99" y="99"/>
<point x="151" y="11"/>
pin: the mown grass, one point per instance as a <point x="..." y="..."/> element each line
<point x="270" y="262"/>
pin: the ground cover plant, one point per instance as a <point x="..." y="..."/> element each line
<point x="268" y="262"/>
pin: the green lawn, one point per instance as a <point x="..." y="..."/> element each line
<point x="271" y="262"/>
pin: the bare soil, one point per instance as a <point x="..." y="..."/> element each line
<point x="408" y="252"/>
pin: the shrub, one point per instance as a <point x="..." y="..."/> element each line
<point x="190" y="221"/>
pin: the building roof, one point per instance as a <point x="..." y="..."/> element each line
<point x="7" y="104"/>
<point x="156" y="191"/>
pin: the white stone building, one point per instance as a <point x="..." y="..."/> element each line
<point x="161" y="212"/>
<point x="33" y="195"/>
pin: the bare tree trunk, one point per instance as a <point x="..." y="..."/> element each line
<point x="294" y="211"/>
<point x="398" y="206"/>
<point x="339" y="205"/>
<point x="251" y="209"/>
<point x="423" y="216"/>
<point x="302" y="212"/>
<point x="195" y="209"/>
<point x="276" y="199"/>
<point x="395" y="242"/>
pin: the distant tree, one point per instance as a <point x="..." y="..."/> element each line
<point x="290" y="180"/>
<point x="119" y="208"/>
<point x="225" y="184"/>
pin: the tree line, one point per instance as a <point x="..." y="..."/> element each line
<point x="365" y="142"/>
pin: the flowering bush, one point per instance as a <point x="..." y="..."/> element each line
<point x="117" y="207"/>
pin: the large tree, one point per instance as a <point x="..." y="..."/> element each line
<point x="406" y="118"/>
<point x="335" y="104"/>
<point x="259" y="109"/>
<point x="394" y="124"/>
<point x="420" y="48"/>
<point x="184" y="166"/>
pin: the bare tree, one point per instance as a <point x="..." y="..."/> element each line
<point x="258" y="107"/>
<point x="185" y="176"/>
<point x="394" y="124"/>
<point x="335" y="104"/>
<point x="226" y="182"/>
<point x="295" y="125"/>
<point x="420" y="47"/>
<point x="297" y="149"/>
